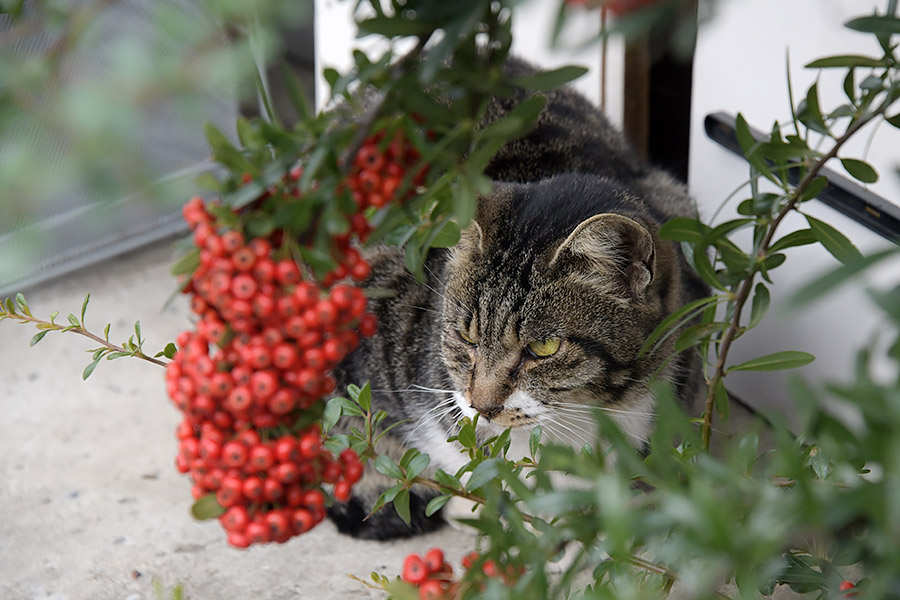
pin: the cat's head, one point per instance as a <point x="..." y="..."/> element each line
<point x="550" y="294"/>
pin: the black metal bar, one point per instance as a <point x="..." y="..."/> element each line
<point x="842" y="194"/>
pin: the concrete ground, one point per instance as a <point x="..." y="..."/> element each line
<point x="91" y="506"/>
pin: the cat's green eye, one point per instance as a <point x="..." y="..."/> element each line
<point x="543" y="348"/>
<point x="465" y="337"/>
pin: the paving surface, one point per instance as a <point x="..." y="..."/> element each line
<point x="91" y="506"/>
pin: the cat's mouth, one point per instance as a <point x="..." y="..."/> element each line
<point x="519" y="410"/>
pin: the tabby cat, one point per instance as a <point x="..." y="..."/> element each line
<point x="537" y="315"/>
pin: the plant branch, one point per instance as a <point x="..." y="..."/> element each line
<point x="50" y="326"/>
<point x="747" y="285"/>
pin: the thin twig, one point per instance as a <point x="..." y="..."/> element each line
<point x="48" y="326"/>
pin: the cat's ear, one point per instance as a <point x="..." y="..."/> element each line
<point x="472" y="238"/>
<point x="615" y="248"/>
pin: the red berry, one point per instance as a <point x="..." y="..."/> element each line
<point x="235" y="519"/>
<point x="229" y="492"/>
<point x="431" y="589"/>
<point x="273" y="491"/>
<point x="414" y="570"/>
<point x="309" y="446"/>
<point x="367" y="325"/>
<point x="302" y="521"/>
<point x="278" y="525"/>
<point x="243" y="286"/>
<point x="342" y="491"/>
<point x="434" y="560"/>
<point x="287" y="272"/>
<point x="263" y="384"/>
<point x="256" y="533"/>
<point x="261" y="458"/>
<point x="252" y="488"/>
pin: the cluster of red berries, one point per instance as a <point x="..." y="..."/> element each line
<point x="259" y="355"/>
<point x="433" y="576"/>
<point x="378" y="173"/>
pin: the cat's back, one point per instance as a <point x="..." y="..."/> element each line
<point x="571" y="135"/>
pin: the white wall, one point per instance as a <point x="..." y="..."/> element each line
<point x="740" y="67"/>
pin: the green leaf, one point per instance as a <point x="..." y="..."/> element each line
<point x="447" y="480"/>
<point x="801" y="237"/>
<point x="445" y="235"/>
<point x="466" y="436"/>
<point x="846" y="61"/>
<point x="169" y="351"/>
<point x="364" y="398"/>
<point x="810" y="113"/>
<point x="23" y="305"/>
<point x="332" y="413"/>
<point x="436" y="504"/>
<point x="416" y="466"/>
<point x="881" y="24"/>
<point x="683" y="229"/>
<point x="722" y="402"/>
<point x="815" y="188"/>
<point x="484" y="473"/>
<point x="224" y="152"/>
<point x="547" y="80"/>
<point x="38" y="337"/>
<point x="187" y="263"/>
<point x="706" y="271"/>
<point x="666" y="324"/>
<point x="895" y="120"/>
<point x="777" y="361"/>
<point x="10" y="307"/>
<point x="401" y="505"/>
<point x="834" y="241"/>
<point x="692" y="335"/>
<point x="860" y="170"/>
<point x="90" y="368"/>
<point x="385" y="465"/>
<point x="760" y="305"/>
<point x="534" y="439"/>
<point x="207" y="507"/>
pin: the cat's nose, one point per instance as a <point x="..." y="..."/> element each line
<point x="488" y="412"/>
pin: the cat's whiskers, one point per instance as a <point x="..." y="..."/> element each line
<point x="423" y="308"/>
<point x="589" y="410"/>
<point x="563" y="433"/>
<point x="432" y="415"/>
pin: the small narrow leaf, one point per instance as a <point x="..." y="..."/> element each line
<point x="467" y="436"/>
<point x="834" y="241"/>
<point x="534" y="440"/>
<point x="760" y="305"/>
<point x="881" y="24"/>
<point x="845" y="61"/>
<point x="778" y="361"/>
<point x="546" y="80"/>
<point x="73" y="320"/>
<point x="860" y="170"/>
<point x="683" y="229"/>
<point x="38" y="337"/>
<point x="401" y="505"/>
<point x="694" y="334"/>
<point x="365" y="398"/>
<point x="722" y="402"/>
<point x="84" y="306"/>
<point x="23" y="305"/>
<point x="436" y="504"/>
<point x="90" y="368"/>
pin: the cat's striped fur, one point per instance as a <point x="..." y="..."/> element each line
<point x="565" y="248"/>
